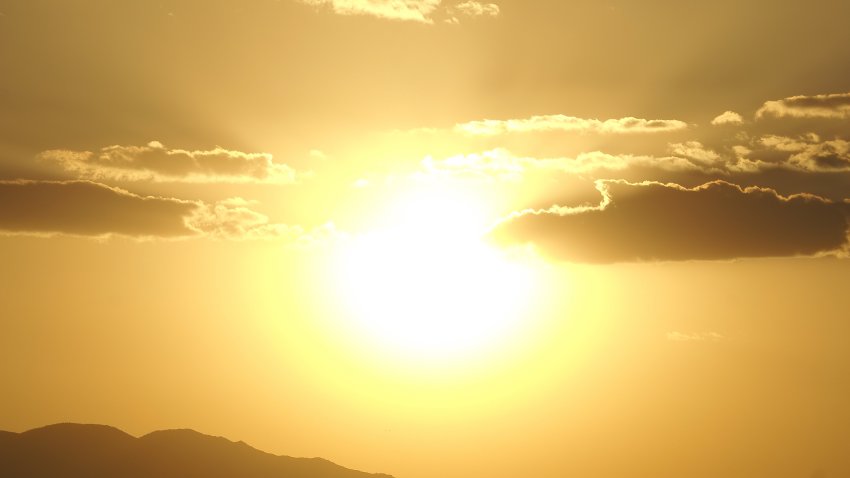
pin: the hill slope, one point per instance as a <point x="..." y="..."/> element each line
<point x="96" y="451"/>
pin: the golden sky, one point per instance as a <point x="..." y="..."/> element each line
<point x="430" y="238"/>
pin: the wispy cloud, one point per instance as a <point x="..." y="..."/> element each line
<point x="475" y="9"/>
<point x="502" y="164"/>
<point x="405" y="10"/>
<point x="806" y="153"/>
<point x="811" y="154"/>
<point x="694" y="337"/>
<point x="696" y="152"/>
<point x="155" y="162"/>
<point x="819" y="106"/>
<point x="727" y="117"/>
<point x="546" y="123"/>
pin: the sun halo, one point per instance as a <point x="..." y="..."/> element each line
<point x="425" y="284"/>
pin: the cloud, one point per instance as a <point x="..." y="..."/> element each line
<point x="155" y="162"/>
<point x="828" y="156"/>
<point x="787" y="144"/>
<point x="809" y="153"/>
<point x="475" y="9"/>
<point x="548" y="123"/>
<point x="694" y="337"/>
<point x="652" y="221"/>
<point x="819" y="106"/>
<point x="406" y="10"/>
<point x="696" y="152"/>
<point x="225" y="220"/>
<point x="502" y="164"/>
<point x="727" y="117"/>
<point x="90" y="209"/>
<point x="318" y="154"/>
<point x="85" y="208"/>
<point x="805" y="154"/>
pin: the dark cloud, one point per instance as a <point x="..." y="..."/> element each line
<point x="89" y="209"/>
<point x="653" y="221"/>
<point x="85" y="208"/>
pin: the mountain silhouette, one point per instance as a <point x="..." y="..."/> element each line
<point x="69" y="450"/>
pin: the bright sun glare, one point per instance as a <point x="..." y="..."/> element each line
<point x="425" y="284"/>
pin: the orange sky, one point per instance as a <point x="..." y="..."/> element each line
<point x="434" y="238"/>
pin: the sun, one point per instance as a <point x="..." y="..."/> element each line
<point x="424" y="283"/>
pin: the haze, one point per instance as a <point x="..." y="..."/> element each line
<point x="434" y="238"/>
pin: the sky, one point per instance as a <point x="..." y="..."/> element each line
<point x="434" y="237"/>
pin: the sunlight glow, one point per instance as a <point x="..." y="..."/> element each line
<point x="425" y="285"/>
